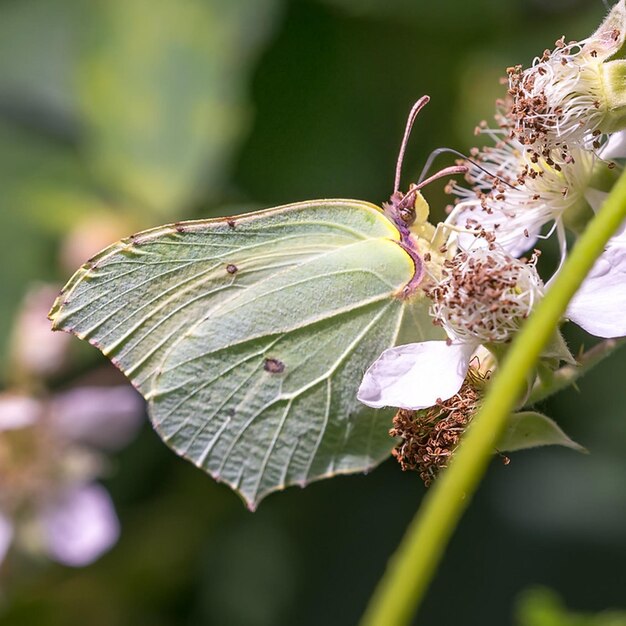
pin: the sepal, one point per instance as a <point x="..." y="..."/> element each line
<point x="608" y="40"/>
<point x="530" y="429"/>
<point x="558" y="351"/>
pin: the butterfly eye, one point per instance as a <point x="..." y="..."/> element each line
<point x="407" y="215"/>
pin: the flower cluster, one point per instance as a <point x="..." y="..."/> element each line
<point x="561" y="130"/>
<point x="428" y="438"/>
<point x="481" y="300"/>
<point x="51" y="452"/>
<point x="553" y="158"/>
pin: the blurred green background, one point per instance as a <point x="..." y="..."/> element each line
<point x="118" y="115"/>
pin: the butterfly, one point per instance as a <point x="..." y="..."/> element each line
<point x="248" y="336"/>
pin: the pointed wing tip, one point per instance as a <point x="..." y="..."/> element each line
<point x="53" y="313"/>
<point x="252" y="500"/>
<point x="251" y="505"/>
<point x="58" y="319"/>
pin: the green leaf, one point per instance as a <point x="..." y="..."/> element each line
<point x="529" y="429"/>
<point x="540" y="606"/>
<point x="249" y="336"/>
<point x="550" y="381"/>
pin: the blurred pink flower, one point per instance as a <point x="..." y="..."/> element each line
<point x="50" y="456"/>
<point x="36" y="351"/>
<point x="80" y="525"/>
<point x="104" y="417"/>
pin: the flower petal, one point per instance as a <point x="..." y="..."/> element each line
<point x="416" y="375"/>
<point x="18" y="411"/>
<point x="106" y="417"/>
<point x="80" y="525"/>
<point x="615" y="147"/>
<point x="599" y="306"/>
<point x="595" y="198"/>
<point x="6" y="536"/>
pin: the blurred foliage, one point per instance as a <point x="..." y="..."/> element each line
<point x="117" y="115"/>
<point x="162" y="110"/>
<point x="542" y="607"/>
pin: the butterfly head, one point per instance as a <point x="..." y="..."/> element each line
<point x="405" y="209"/>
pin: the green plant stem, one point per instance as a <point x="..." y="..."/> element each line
<point x="411" y="568"/>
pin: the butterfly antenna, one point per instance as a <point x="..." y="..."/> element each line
<point x="435" y="153"/>
<point x="417" y="107"/>
<point x="446" y="171"/>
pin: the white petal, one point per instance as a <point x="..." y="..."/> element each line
<point x="514" y="235"/>
<point x="416" y="375"/>
<point x="107" y="417"/>
<point x="18" y="411"/>
<point x="6" y="536"/>
<point x="599" y="306"/>
<point x="595" y="198"/>
<point x="615" y="147"/>
<point x="80" y="525"/>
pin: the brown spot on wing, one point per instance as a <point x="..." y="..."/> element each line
<point x="274" y="366"/>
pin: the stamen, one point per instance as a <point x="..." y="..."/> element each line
<point x="559" y="99"/>
<point x="543" y="189"/>
<point x="485" y="295"/>
<point x="429" y="438"/>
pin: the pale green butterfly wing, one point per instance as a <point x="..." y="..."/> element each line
<point x="249" y="337"/>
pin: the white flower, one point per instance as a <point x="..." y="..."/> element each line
<point x="49" y="502"/>
<point x="483" y="297"/>
<point x="515" y="194"/>
<point x="513" y="218"/>
<point x="552" y="145"/>
<point x="571" y="95"/>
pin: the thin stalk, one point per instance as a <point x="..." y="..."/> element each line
<point x="413" y="565"/>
